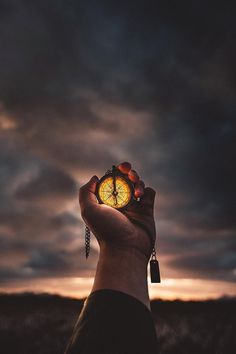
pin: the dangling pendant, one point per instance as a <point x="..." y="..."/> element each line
<point x="87" y="241"/>
<point x="154" y="268"/>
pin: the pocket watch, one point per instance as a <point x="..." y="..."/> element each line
<point x="116" y="190"/>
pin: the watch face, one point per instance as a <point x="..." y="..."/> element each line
<point x="115" y="192"/>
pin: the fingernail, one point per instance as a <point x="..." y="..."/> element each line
<point x="124" y="167"/>
<point x="138" y="192"/>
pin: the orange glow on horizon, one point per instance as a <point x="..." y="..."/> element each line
<point x="169" y="289"/>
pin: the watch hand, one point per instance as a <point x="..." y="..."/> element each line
<point x="114" y="184"/>
<point x="114" y="179"/>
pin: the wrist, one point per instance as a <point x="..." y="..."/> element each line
<point x="122" y="269"/>
<point x="128" y="255"/>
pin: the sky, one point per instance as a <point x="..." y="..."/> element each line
<point x="88" y="84"/>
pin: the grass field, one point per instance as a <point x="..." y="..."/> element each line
<point x="42" y="324"/>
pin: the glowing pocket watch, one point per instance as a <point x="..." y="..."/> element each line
<point x="115" y="189"/>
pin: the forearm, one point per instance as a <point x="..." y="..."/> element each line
<point x="122" y="270"/>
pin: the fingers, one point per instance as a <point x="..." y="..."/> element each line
<point x="139" y="189"/>
<point x="133" y="176"/>
<point x="147" y="194"/>
<point x="87" y="194"/>
<point x="125" y="167"/>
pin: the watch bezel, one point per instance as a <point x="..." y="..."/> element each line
<point x="127" y="180"/>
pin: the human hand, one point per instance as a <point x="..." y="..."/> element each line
<point x="132" y="229"/>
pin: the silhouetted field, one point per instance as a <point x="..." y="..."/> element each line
<point x="42" y="324"/>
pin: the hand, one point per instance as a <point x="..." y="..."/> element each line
<point x="131" y="230"/>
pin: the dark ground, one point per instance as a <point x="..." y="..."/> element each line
<point x="42" y="324"/>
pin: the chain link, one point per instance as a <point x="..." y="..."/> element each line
<point x="87" y="241"/>
<point x="153" y="255"/>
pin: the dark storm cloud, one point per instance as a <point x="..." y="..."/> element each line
<point x="201" y="254"/>
<point x="47" y="263"/>
<point x="84" y="84"/>
<point x="49" y="183"/>
<point x="213" y="265"/>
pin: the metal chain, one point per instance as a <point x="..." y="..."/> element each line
<point x="153" y="255"/>
<point x="87" y="241"/>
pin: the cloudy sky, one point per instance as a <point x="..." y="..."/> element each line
<point x="88" y="84"/>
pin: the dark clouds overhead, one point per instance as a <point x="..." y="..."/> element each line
<point x="85" y="84"/>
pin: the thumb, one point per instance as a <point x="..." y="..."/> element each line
<point x="87" y="195"/>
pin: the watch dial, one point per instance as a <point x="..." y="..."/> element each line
<point x="117" y="196"/>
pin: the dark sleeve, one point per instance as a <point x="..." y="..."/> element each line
<point x="113" y="322"/>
